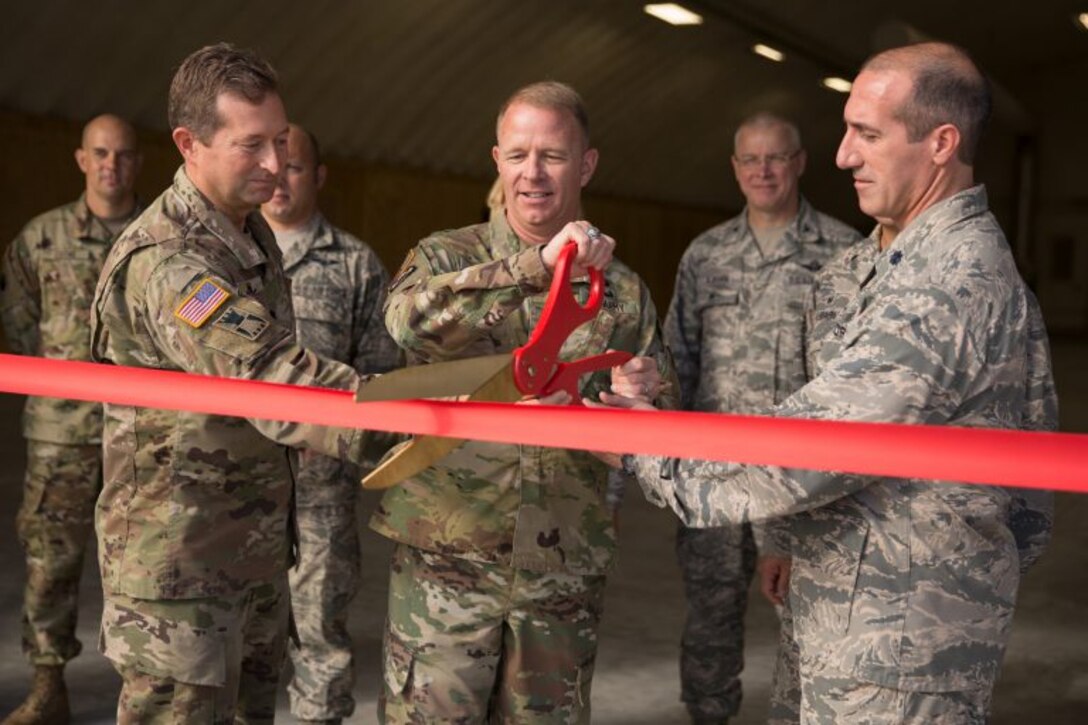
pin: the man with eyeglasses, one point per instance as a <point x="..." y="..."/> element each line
<point x="735" y="328"/>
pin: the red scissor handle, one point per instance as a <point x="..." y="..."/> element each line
<point x="537" y="370"/>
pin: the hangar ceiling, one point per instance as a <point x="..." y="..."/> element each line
<point x="415" y="83"/>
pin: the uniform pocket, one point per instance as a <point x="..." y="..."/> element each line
<point x="323" y="320"/>
<point x="397" y="664"/>
<point x="716" y="298"/>
<point x="327" y="304"/>
<point x="824" y="578"/>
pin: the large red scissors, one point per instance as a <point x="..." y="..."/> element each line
<point x="534" y="369"/>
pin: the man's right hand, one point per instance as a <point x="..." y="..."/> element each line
<point x="593" y="251"/>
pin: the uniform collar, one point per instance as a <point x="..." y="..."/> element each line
<point x="803" y="229"/>
<point x="317" y="235"/>
<point x="914" y="245"/>
<point x="85" y="226"/>
<point x="216" y="222"/>
<point x="504" y="240"/>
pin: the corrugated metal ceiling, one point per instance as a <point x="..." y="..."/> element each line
<point x="415" y="83"/>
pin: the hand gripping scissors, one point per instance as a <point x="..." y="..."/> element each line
<point x="532" y="369"/>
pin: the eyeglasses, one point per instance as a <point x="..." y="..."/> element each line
<point x="775" y="161"/>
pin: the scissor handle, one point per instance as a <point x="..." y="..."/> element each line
<point x="567" y="375"/>
<point x="536" y="360"/>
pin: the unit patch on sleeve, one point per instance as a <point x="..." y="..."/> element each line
<point x="240" y="322"/>
<point x="201" y="303"/>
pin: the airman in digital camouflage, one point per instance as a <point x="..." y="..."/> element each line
<point x="497" y="581"/>
<point x="194" y="520"/>
<point x="49" y="274"/>
<point x="735" y="329"/>
<point x="902" y="589"/>
<point x="337" y="290"/>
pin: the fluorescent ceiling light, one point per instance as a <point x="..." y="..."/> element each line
<point x="837" y="84"/>
<point x="1082" y="20"/>
<point x="673" y="14"/>
<point x="768" y="52"/>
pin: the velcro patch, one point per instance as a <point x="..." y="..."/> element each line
<point x="201" y="303"/>
<point x="240" y="322"/>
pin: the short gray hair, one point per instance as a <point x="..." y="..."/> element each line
<point x="765" y="120"/>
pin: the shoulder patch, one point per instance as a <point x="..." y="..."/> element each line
<point x="201" y="303"/>
<point x="240" y="322"/>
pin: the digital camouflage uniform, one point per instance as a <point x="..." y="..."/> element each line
<point x="337" y="289"/>
<point x="496" y="587"/>
<point x="735" y="331"/>
<point x="194" y="520"/>
<point x="49" y="274"/>
<point x="902" y="589"/>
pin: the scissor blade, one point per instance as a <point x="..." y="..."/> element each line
<point x="437" y="380"/>
<point x="422" y="452"/>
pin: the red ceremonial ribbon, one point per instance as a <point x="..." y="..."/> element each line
<point x="1056" y="461"/>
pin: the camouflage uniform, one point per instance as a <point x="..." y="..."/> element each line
<point x="503" y="548"/>
<point x="735" y="330"/>
<point x="49" y="274"/>
<point x="902" y="589"/>
<point x="193" y="523"/>
<point x="337" y="289"/>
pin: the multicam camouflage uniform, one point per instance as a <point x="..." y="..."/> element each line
<point x="503" y="549"/>
<point x="337" y="289"/>
<point x="902" y="589"/>
<point x="735" y="330"/>
<point x="193" y="522"/>
<point x="49" y="274"/>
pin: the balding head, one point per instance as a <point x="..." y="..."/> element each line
<point x="108" y="123"/>
<point x="946" y="87"/>
<point x="110" y="159"/>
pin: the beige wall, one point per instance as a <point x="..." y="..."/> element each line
<point x="391" y="209"/>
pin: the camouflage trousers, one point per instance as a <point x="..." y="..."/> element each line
<point x="717" y="565"/>
<point x="55" y="524"/>
<point x="831" y="700"/>
<point x="468" y="642"/>
<point x="214" y="660"/>
<point x="323" y="583"/>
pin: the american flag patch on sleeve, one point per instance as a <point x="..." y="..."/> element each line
<point x="201" y="303"/>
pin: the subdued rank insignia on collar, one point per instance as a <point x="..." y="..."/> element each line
<point x="407" y="268"/>
<point x="201" y="303"/>
<point x="240" y="322"/>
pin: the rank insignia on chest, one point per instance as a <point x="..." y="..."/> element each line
<point x="240" y="322"/>
<point x="201" y="303"/>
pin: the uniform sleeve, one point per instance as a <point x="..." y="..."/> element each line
<point x="373" y="350"/>
<point x="20" y="298"/>
<point x="1031" y="515"/>
<point x="772" y="537"/>
<point x="684" y="330"/>
<point x="651" y="344"/>
<point x="437" y="308"/>
<point x="904" y="367"/>
<point x="654" y="346"/>
<point x="241" y="338"/>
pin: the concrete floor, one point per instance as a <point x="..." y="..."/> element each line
<point x="1045" y="679"/>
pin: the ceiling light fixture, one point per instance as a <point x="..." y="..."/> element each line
<point x="837" y="84"/>
<point x="1081" y="19"/>
<point x="673" y="14"/>
<point x="768" y="52"/>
